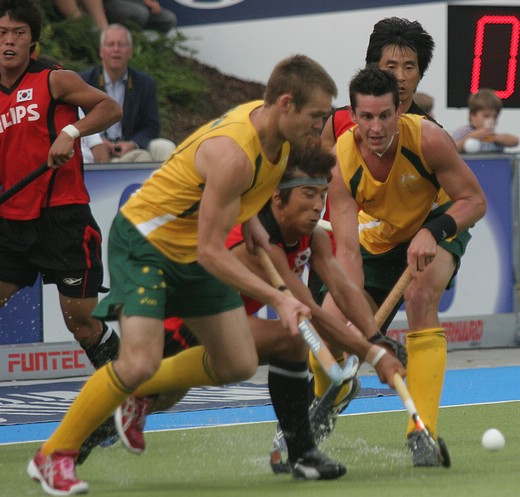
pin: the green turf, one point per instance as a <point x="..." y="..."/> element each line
<point x="232" y="461"/>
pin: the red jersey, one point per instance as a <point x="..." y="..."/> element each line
<point x="30" y="120"/>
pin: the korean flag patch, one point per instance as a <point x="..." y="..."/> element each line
<point x="24" y="95"/>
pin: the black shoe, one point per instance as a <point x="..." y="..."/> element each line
<point x="314" y="465"/>
<point x="104" y="435"/>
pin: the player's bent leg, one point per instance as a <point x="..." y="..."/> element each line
<point x="288" y="386"/>
<point x="231" y="350"/>
<point x="104" y="391"/>
<point x="99" y="341"/>
<point x="273" y="341"/>
<point x="54" y="464"/>
<point x="425" y="347"/>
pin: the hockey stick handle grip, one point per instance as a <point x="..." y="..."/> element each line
<point x="23" y="183"/>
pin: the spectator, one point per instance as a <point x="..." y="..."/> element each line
<point x="484" y="109"/>
<point x="425" y="102"/>
<point x="93" y="148"/>
<point x="147" y="14"/>
<point x="71" y="9"/>
<point x="136" y="137"/>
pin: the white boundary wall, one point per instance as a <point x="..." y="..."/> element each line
<point x="338" y="40"/>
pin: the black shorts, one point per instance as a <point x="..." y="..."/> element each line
<point x="63" y="245"/>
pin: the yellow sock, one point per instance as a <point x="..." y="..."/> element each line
<point x="186" y="370"/>
<point x="425" y="373"/>
<point x="345" y="389"/>
<point x="321" y="380"/>
<point x="98" y="399"/>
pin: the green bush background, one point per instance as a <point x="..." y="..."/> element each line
<point x="189" y="93"/>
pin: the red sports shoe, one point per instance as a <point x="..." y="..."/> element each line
<point x="57" y="473"/>
<point x="130" y="418"/>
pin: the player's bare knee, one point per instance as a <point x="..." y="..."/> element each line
<point x="421" y="297"/>
<point x="136" y="370"/>
<point x="237" y="371"/>
<point x="292" y="348"/>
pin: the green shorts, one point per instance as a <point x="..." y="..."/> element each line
<point x="383" y="270"/>
<point x="144" y="282"/>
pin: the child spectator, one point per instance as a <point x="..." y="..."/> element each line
<point x="484" y="109"/>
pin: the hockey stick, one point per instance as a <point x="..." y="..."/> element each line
<point x="390" y="302"/>
<point x="320" y="350"/>
<point x="440" y="449"/>
<point x="393" y="297"/>
<point x="23" y="183"/>
<point x="319" y="413"/>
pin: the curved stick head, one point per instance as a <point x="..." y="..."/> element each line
<point x="339" y="375"/>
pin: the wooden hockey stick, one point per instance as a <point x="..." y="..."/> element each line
<point x="390" y="302"/>
<point x="393" y="297"/>
<point x="4" y="196"/>
<point x="319" y="414"/>
<point x="318" y="347"/>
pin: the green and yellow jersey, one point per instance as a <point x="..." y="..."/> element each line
<point x="165" y="209"/>
<point x="391" y="212"/>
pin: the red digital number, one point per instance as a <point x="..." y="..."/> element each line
<point x="513" y="53"/>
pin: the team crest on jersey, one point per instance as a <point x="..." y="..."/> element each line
<point x="301" y="259"/>
<point x="24" y="95"/>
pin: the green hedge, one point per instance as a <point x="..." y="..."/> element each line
<point x="75" y="43"/>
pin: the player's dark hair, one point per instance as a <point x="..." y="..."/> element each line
<point x="373" y="81"/>
<point x="309" y="161"/>
<point x="27" y="11"/>
<point x="298" y="75"/>
<point x="403" y="34"/>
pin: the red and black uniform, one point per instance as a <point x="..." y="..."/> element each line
<point x="179" y="337"/>
<point x="47" y="227"/>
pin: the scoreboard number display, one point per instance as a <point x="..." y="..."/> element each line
<point x="483" y="44"/>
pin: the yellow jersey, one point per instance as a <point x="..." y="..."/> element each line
<point x="165" y="209"/>
<point x="393" y="211"/>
